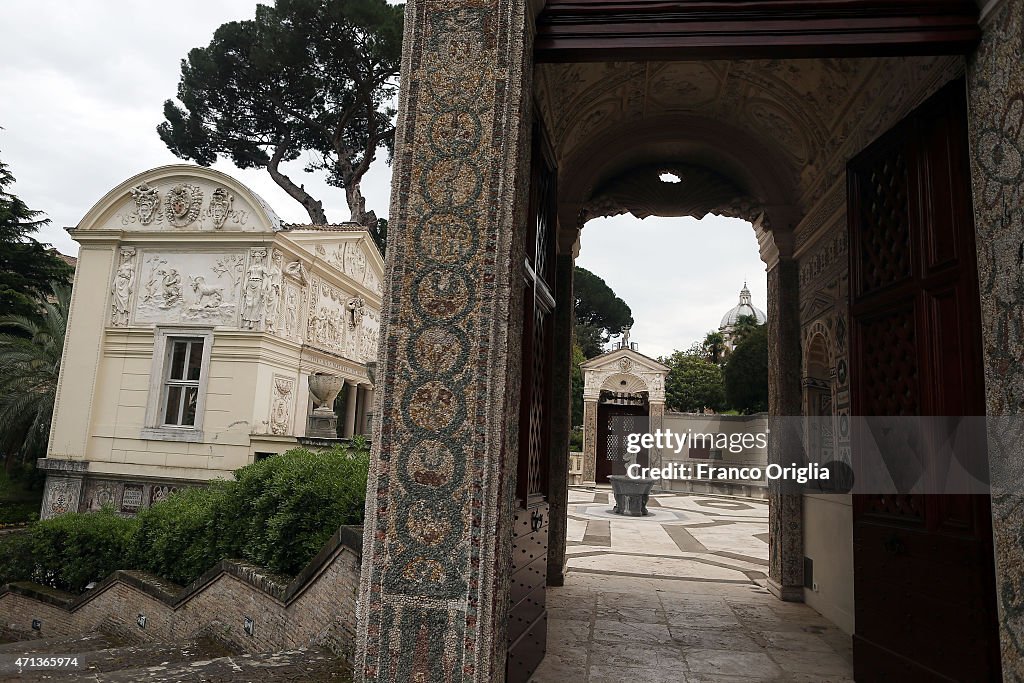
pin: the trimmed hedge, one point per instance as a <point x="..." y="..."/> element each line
<point x="177" y="538"/>
<point x="286" y="507"/>
<point x="276" y="513"/>
<point x="69" y="551"/>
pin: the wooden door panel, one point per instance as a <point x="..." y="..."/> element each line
<point x="923" y="568"/>
<point x="527" y="615"/>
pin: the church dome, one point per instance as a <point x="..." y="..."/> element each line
<point x="743" y="308"/>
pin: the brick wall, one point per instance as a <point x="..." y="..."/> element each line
<point x="318" y="607"/>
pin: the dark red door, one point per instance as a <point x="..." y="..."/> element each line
<point x="614" y="423"/>
<point x="924" y="575"/>
<point x="527" y="620"/>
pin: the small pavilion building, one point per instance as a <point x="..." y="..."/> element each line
<point x="623" y="392"/>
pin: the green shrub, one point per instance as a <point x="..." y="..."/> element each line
<point x="71" y="550"/>
<point x="277" y="513"/>
<point x="287" y="506"/>
<point x="177" y="538"/>
<point x="16" y="557"/>
<point x="576" y="440"/>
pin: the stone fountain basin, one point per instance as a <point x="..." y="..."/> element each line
<point x="631" y="494"/>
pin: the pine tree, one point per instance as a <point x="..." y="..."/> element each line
<point x="307" y="79"/>
<point x="26" y="267"/>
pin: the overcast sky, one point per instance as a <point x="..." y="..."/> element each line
<point x="83" y="88"/>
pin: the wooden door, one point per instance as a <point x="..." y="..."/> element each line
<point x="527" y="622"/>
<point x="924" y="575"/>
<point x="614" y="422"/>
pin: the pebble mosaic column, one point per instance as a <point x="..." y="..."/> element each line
<point x="995" y="99"/>
<point x="434" y="581"/>
<point x="785" y="510"/>
<point x="589" y="442"/>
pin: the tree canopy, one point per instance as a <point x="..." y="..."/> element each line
<point x="304" y="77"/>
<point x="693" y="382"/>
<point x="26" y="266"/>
<point x="714" y="347"/>
<point x="600" y="314"/>
<point x="746" y="373"/>
<point x="744" y="326"/>
<point x="577" y="385"/>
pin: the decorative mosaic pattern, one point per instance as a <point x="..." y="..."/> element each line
<point x="431" y="600"/>
<point x="996" y="100"/>
<point x="785" y="560"/>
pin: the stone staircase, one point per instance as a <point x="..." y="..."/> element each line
<point x="237" y="622"/>
<point x="110" y="657"/>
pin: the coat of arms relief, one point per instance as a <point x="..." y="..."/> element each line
<point x="181" y="206"/>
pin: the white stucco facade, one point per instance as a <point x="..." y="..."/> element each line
<point x="196" y="320"/>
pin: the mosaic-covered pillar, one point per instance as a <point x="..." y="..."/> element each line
<point x="785" y="510"/>
<point x="656" y="415"/>
<point x="996" y="109"/>
<point x="437" y="542"/>
<point x="589" y="442"/>
<point x="561" y="420"/>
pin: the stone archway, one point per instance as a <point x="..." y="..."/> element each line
<point x="433" y="604"/>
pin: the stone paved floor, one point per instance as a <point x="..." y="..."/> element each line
<point x="678" y="597"/>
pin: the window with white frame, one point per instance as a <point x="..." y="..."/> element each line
<point x="182" y="373"/>
<point x="178" y="380"/>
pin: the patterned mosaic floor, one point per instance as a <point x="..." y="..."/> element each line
<point x="678" y="597"/>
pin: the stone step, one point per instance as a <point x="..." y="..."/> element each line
<point x="126" y="657"/>
<point x="62" y="644"/>
<point x="312" y="666"/>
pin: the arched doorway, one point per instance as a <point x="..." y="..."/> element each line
<point x="623" y="393"/>
<point x="763" y="139"/>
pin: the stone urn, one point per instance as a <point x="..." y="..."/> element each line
<point x="325" y="388"/>
<point x="631" y="494"/>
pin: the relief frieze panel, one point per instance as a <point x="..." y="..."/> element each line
<point x="281" y="399"/>
<point x="189" y="287"/>
<point x="327" y="316"/>
<point x="351" y="259"/>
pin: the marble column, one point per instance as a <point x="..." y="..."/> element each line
<point x="360" y="409"/>
<point x="785" y="509"/>
<point x="561" y="419"/>
<point x="367" y="419"/>
<point x="589" y="442"/>
<point x="995" y="95"/>
<point x="434" y="584"/>
<point x="351" y="404"/>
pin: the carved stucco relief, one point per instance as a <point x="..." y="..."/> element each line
<point x="281" y="400"/>
<point x="186" y="204"/>
<point x="62" y="496"/>
<point x="182" y="204"/>
<point x="272" y="293"/>
<point x="189" y="287"/>
<point x="351" y="259"/>
<point x="254" y="289"/>
<point x="326" y="325"/>
<point x="122" y="288"/>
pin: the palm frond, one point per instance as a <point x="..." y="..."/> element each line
<point x="30" y="357"/>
